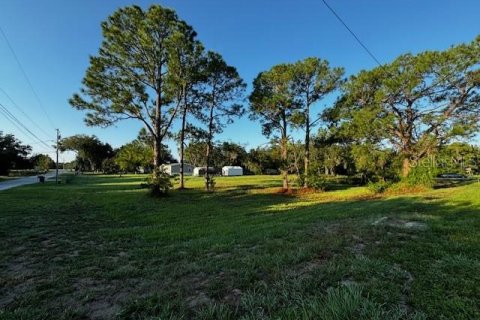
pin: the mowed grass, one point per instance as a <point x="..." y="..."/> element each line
<point x="99" y="247"/>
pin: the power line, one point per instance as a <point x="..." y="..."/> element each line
<point x="18" y="123"/>
<point x="23" y="112"/>
<point x="352" y="33"/>
<point x="14" y="123"/>
<point x="41" y="142"/>
<point x="26" y="77"/>
<point x="10" y="116"/>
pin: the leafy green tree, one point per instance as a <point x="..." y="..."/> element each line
<point x="12" y="152"/>
<point x="331" y="153"/>
<point x="133" y="155"/>
<point x="129" y="78"/>
<point x="233" y="154"/>
<point x="222" y="89"/>
<point x="264" y="160"/>
<point x="373" y="163"/>
<point x="273" y="103"/>
<point x="458" y="157"/>
<point x="109" y="166"/>
<point x="313" y="79"/>
<point x="90" y="150"/>
<point x="43" y="162"/>
<point x="416" y="103"/>
<point x="195" y="154"/>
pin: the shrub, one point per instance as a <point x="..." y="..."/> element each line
<point x="315" y="181"/>
<point x="379" y="186"/>
<point x="421" y="176"/>
<point x="159" y="183"/>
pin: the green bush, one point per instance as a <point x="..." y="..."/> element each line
<point x="422" y="176"/>
<point x="159" y="183"/>
<point x="379" y="186"/>
<point x="315" y="181"/>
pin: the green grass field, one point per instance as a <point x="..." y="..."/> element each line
<point x="99" y="247"/>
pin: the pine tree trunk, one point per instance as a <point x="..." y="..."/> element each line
<point x="284" y="153"/>
<point x="209" y="148"/>
<point x="182" y="141"/>
<point x="157" y="146"/>
<point x="307" y="149"/>
<point x="182" y="150"/>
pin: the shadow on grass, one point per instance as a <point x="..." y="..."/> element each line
<point x="278" y="252"/>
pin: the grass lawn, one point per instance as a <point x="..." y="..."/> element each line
<point x="99" y="248"/>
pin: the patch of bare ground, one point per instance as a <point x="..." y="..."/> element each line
<point x="197" y="287"/>
<point x="233" y="297"/>
<point x="400" y="223"/>
<point x="16" y="279"/>
<point x="406" y="289"/>
<point x="101" y="299"/>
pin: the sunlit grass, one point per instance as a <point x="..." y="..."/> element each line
<point x="99" y="247"/>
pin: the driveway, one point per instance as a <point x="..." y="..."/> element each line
<point x="26" y="180"/>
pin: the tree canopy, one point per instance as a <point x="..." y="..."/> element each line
<point x="129" y="78"/>
<point x="12" y="152"/>
<point x="90" y="150"/>
<point x="273" y="103"/>
<point x="313" y="80"/>
<point x="416" y="103"/>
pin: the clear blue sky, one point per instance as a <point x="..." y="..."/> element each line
<point x="54" y="38"/>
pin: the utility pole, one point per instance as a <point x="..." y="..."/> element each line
<point x="56" y="167"/>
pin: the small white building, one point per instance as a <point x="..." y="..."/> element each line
<point x="232" y="171"/>
<point x="200" y="171"/>
<point x="174" y="169"/>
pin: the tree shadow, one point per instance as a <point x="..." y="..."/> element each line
<point x="214" y="242"/>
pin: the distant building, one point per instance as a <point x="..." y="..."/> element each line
<point x="232" y="171"/>
<point x="174" y="169"/>
<point x="200" y="171"/>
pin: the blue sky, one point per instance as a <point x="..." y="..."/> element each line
<point x="54" y="38"/>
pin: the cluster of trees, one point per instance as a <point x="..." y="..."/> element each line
<point x="282" y="99"/>
<point x="96" y="156"/>
<point x="151" y="67"/>
<point x="404" y="111"/>
<point x="15" y="155"/>
<point x="90" y="151"/>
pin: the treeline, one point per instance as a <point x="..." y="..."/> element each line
<point x="152" y="67"/>
<point x="14" y="155"/>
<point x="328" y="157"/>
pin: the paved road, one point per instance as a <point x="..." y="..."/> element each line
<point x="26" y="180"/>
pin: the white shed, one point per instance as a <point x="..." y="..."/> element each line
<point x="200" y="171"/>
<point x="232" y="171"/>
<point x="174" y="169"/>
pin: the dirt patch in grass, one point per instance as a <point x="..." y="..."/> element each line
<point x="400" y="223"/>
<point x="103" y="299"/>
<point x="233" y="297"/>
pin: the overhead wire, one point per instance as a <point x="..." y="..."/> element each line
<point x="369" y="52"/>
<point x="24" y="113"/>
<point x="5" y="114"/>
<point x="26" y="77"/>
<point x="14" y="120"/>
<point x="352" y="33"/>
